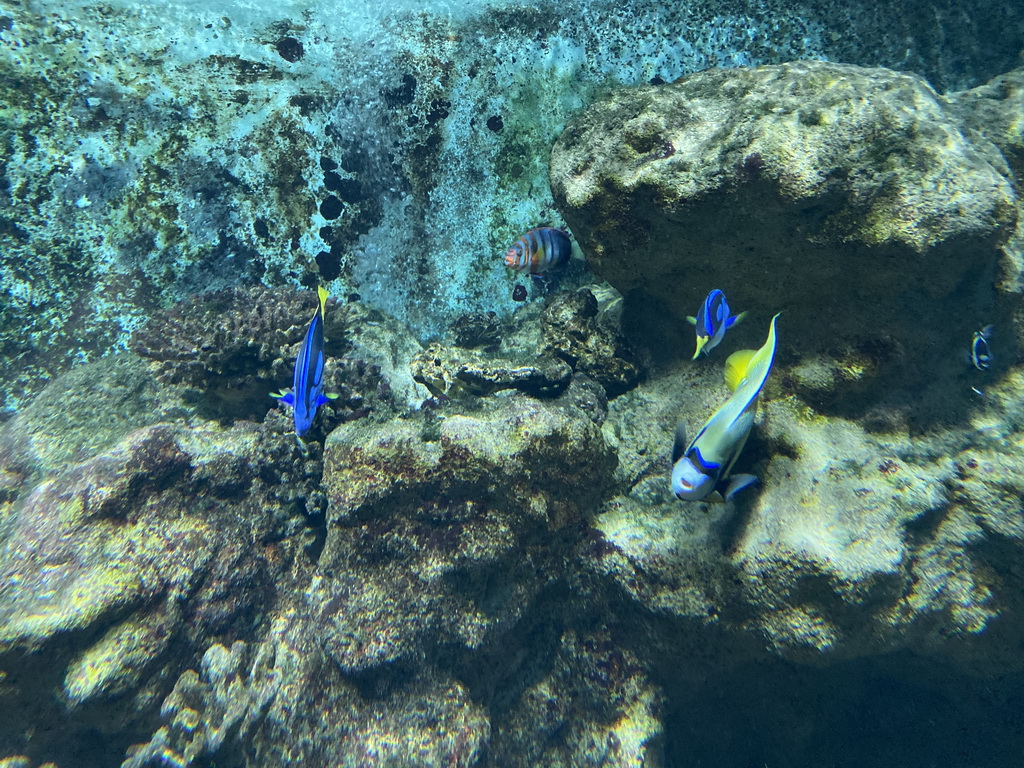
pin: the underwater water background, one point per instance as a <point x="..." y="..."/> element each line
<point x="722" y="467"/>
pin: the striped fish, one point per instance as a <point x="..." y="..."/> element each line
<point x="539" y="250"/>
<point x="307" y="393"/>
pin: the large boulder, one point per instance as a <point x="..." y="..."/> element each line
<point x="855" y="545"/>
<point x="447" y="530"/>
<point x="126" y="548"/>
<point x="848" y="198"/>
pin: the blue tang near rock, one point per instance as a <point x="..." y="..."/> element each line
<point x="307" y="392"/>
<point x="713" y="321"/>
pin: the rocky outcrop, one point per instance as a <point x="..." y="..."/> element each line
<point x="851" y="199"/>
<point x="449" y="529"/>
<point x="456" y="372"/>
<point x="125" y="549"/>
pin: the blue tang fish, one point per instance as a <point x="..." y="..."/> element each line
<point x="704" y="466"/>
<point x="307" y="393"/>
<point x="712" y="321"/>
<point x="539" y="250"/>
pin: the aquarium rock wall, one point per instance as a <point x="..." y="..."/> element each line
<point x="473" y="556"/>
<point x="151" y="152"/>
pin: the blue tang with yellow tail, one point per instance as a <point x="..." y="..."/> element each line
<point x="539" y="250"/>
<point x="704" y="466"/>
<point x="307" y="393"/>
<point x="713" y="321"/>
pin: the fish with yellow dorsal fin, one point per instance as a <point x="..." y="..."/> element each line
<point x="704" y="465"/>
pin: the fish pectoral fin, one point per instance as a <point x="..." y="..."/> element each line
<point x="735" y="320"/>
<point x="288" y="398"/>
<point x="691" y="319"/>
<point x="737" y="483"/>
<point x="332" y="395"/>
<point x="323" y="399"/>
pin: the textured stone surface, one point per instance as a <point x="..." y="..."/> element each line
<point x="392" y="149"/>
<point x="472" y="589"/>
<point x="124" y="549"/>
<point x="447" y="530"/>
<point x="228" y="350"/>
<point x="455" y="372"/>
<point x="850" y="199"/>
<point x="503" y="580"/>
<point x="854" y="544"/>
<point x="577" y="329"/>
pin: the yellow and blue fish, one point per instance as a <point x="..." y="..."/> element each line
<point x="539" y="250"/>
<point x="704" y="465"/>
<point x="712" y="321"/>
<point x="307" y="393"/>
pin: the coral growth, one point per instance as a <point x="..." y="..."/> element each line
<point x="227" y="699"/>
<point x="230" y="349"/>
<point x="850" y="198"/>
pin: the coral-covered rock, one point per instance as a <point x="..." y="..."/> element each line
<point x="385" y="344"/>
<point x="477" y="329"/>
<point x="230" y="349"/>
<point x="230" y="336"/>
<point x="853" y="545"/>
<point x="118" y="568"/>
<point x="291" y="705"/>
<point x="796" y="188"/>
<point x="446" y="532"/>
<point x="393" y="150"/>
<point x="454" y="372"/>
<point x="227" y="699"/>
<point x="597" y="706"/>
<point x="993" y="110"/>
<point x="86" y="411"/>
<point x="538" y="352"/>
<point x="574" y="331"/>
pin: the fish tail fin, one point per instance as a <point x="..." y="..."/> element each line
<point x="679" y="444"/>
<point x="701" y="341"/>
<point x="736" y="320"/>
<point x="321" y="294"/>
<point x="736" y="366"/>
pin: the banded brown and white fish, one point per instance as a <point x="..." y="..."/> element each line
<point x="539" y="250"/>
